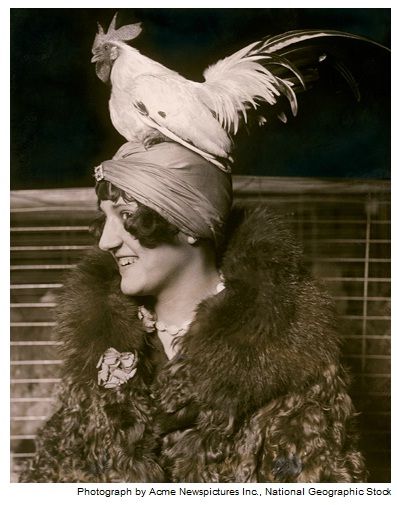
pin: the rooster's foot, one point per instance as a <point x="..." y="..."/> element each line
<point x="154" y="138"/>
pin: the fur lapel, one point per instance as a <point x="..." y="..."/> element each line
<point x="94" y="315"/>
<point x="270" y="331"/>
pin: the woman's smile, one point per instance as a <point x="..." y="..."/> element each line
<point x="125" y="261"/>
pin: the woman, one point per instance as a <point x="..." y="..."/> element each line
<point x="192" y="353"/>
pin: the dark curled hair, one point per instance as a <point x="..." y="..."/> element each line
<point x="145" y="224"/>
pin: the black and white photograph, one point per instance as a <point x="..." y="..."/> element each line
<point x="200" y="237"/>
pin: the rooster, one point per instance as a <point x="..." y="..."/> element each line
<point x="151" y="103"/>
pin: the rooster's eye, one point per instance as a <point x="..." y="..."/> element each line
<point x="106" y="46"/>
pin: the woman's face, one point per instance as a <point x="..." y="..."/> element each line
<point x="143" y="271"/>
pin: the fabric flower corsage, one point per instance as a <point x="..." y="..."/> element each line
<point x="116" y="368"/>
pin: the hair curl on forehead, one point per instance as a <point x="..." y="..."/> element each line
<point x="105" y="190"/>
<point x="144" y="224"/>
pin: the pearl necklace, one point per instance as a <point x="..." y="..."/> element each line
<point x="151" y="324"/>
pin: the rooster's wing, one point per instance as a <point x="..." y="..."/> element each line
<point x="171" y="105"/>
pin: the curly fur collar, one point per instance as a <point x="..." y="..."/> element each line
<point x="271" y="331"/>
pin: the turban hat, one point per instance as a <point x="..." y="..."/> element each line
<point x="183" y="187"/>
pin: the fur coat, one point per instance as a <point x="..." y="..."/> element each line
<point x="256" y="392"/>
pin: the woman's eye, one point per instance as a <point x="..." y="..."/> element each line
<point x="125" y="215"/>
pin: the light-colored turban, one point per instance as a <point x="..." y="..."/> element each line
<point x="183" y="187"/>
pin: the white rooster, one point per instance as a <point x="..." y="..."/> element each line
<point x="151" y="103"/>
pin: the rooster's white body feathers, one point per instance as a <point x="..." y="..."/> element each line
<point x="147" y="97"/>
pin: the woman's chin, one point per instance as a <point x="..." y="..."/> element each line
<point x="133" y="286"/>
<point x="129" y="288"/>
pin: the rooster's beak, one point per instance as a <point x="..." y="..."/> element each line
<point x="95" y="58"/>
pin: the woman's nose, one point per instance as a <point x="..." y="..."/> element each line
<point x="111" y="237"/>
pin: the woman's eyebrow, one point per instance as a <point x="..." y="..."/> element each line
<point x="114" y="206"/>
<point x="128" y="205"/>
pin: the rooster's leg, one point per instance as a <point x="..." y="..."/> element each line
<point x="153" y="138"/>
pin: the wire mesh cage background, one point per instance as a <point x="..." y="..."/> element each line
<point x="344" y="227"/>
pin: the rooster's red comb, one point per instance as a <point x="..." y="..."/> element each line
<point x="124" y="33"/>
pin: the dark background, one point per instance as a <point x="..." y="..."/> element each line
<point x="60" y="125"/>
